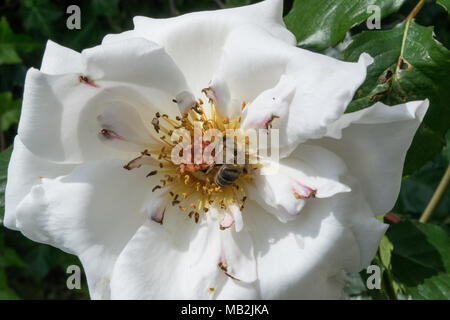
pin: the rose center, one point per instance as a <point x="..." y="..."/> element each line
<point x="189" y="171"/>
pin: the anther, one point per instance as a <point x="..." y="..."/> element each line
<point x="152" y="173"/>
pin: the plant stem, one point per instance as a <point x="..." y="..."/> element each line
<point x="173" y="8"/>
<point x="220" y="4"/>
<point x="411" y="16"/>
<point x="388" y="287"/>
<point x="416" y="10"/>
<point x="2" y="138"/>
<point x="437" y="196"/>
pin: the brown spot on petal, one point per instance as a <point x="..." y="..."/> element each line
<point x="158" y="218"/>
<point x="211" y="95"/>
<point x="110" y="134"/>
<point x="224" y="268"/>
<point x="88" y="81"/>
<point x="269" y="123"/>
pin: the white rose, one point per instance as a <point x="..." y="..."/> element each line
<point x="87" y="115"/>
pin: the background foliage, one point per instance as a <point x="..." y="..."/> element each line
<point x="412" y="61"/>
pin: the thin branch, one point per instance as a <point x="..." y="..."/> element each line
<point x="416" y="9"/>
<point x="2" y="138"/>
<point x="173" y="8"/>
<point x="388" y="285"/>
<point x="220" y="4"/>
<point x="411" y="16"/>
<point x="437" y="196"/>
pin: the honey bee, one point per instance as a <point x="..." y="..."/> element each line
<point x="227" y="175"/>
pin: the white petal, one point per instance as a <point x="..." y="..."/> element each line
<point x="156" y="205"/>
<point x="302" y="259"/>
<point x="175" y="260"/>
<point x="122" y="127"/>
<point x="58" y="120"/>
<point x="373" y="143"/>
<point x="227" y="220"/>
<point x="59" y="60"/>
<point x="237" y="216"/>
<point x="185" y="101"/>
<point x="137" y="62"/>
<point x="92" y="212"/>
<point x="219" y="93"/>
<point x="310" y="172"/>
<point x="58" y="116"/>
<point x="238" y="259"/>
<point x="194" y="40"/>
<point x="238" y="290"/>
<point x="323" y="86"/>
<point x="231" y="216"/>
<point x="271" y="107"/>
<point x="24" y="171"/>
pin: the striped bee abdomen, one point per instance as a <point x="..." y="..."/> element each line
<point x="227" y="175"/>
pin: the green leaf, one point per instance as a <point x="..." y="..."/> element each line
<point x="10" y="258"/>
<point x="6" y="293"/>
<point x="319" y="24"/>
<point x="421" y="259"/>
<point x="445" y="4"/>
<point x="12" y="44"/>
<point x="38" y="15"/>
<point x="9" y="110"/>
<point x="409" y="65"/>
<point x="104" y="7"/>
<point x="426" y="144"/>
<point x="10" y="118"/>
<point x="385" y="254"/>
<point x="385" y="250"/>
<point x="90" y="33"/>
<point x="417" y="189"/>
<point x="4" y="161"/>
